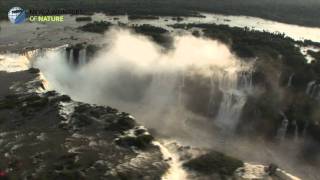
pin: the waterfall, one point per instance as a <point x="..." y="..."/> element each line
<point x="167" y="82"/>
<point x="180" y="89"/>
<point x="310" y="87"/>
<point x="290" y="80"/>
<point x="296" y="133"/>
<point x="83" y="56"/>
<point x="32" y="55"/>
<point x="76" y="56"/>
<point x="212" y="92"/>
<point x="71" y="59"/>
<point x="304" y="131"/>
<point x="234" y="86"/>
<point x="282" y="131"/>
<point x="313" y="90"/>
<point x="245" y="80"/>
<point x="175" y="171"/>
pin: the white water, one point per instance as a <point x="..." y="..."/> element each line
<point x="296" y="133"/>
<point x="304" y="51"/>
<point x="83" y="57"/>
<point x="70" y="59"/>
<point x="135" y="75"/>
<point x="296" y="32"/>
<point x="257" y="171"/>
<point x="282" y="131"/>
<point x="13" y="63"/>
<point x="313" y="89"/>
<point x="233" y="85"/>
<point x="251" y="171"/>
<point x="290" y="80"/>
<point x="175" y="171"/>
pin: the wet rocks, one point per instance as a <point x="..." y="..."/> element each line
<point x="81" y="120"/>
<point x="250" y="171"/>
<point x="7" y="104"/>
<point x="34" y="70"/>
<point x="255" y="171"/>
<point x="30" y="103"/>
<point x="119" y="122"/>
<point x="88" y="146"/>
<point x="214" y="163"/>
<point x="62" y="98"/>
<point x="137" y="137"/>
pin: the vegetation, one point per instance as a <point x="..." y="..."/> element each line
<point x="96" y="27"/>
<point x="134" y="17"/>
<point x="157" y="34"/>
<point x="85" y="18"/>
<point x="276" y="59"/>
<point x="249" y="43"/>
<point x="214" y="162"/>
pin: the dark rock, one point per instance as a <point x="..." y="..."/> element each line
<point x="314" y="131"/>
<point x="31" y="98"/>
<point x="141" y="141"/>
<point x="82" y="108"/>
<point x="81" y="120"/>
<point x="214" y="162"/>
<point x="139" y="131"/>
<point x="97" y="27"/>
<point x="31" y="114"/>
<point x="196" y="33"/>
<point x="7" y="104"/>
<point x="84" y="18"/>
<point x="144" y="140"/>
<point x="51" y="93"/>
<point x="272" y="168"/>
<point x="63" y="98"/>
<point x="34" y="70"/>
<point x="111" y="110"/>
<point x="40" y="103"/>
<point x="119" y="123"/>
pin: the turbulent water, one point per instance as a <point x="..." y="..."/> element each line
<point x="175" y="171"/>
<point x="137" y="76"/>
<point x="13" y="63"/>
<point x="156" y="85"/>
<point x="234" y="87"/>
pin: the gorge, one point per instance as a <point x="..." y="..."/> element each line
<point x="195" y="87"/>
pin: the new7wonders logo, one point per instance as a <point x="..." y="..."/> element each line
<point x="17" y="15"/>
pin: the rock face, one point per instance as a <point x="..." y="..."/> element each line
<point x="214" y="165"/>
<point x="252" y="171"/>
<point x="49" y="136"/>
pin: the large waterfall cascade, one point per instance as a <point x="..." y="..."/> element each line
<point x="153" y="85"/>
<point x="235" y="86"/>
